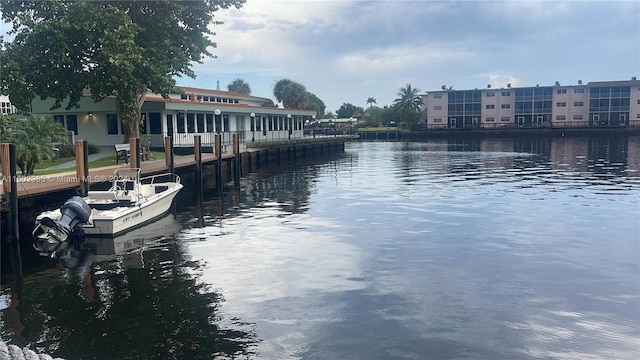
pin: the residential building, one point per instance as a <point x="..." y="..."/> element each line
<point x="196" y="111"/>
<point x="5" y="105"/>
<point x="608" y="103"/>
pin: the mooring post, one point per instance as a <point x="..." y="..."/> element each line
<point x="197" y="153"/>
<point x="10" y="186"/>
<point x="218" y="153"/>
<point x="168" y="153"/>
<point x="237" y="162"/>
<point x="82" y="166"/>
<point x="134" y="151"/>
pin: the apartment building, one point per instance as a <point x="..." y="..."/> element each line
<point x="604" y="103"/>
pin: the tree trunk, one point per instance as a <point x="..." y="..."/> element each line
<point x="129" y="110"/>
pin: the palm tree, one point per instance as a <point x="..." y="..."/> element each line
<point x="371" y="101"/>
<point x="408" y="100"/>
<point x="239" y="86"/>
<point x="34" y="137"/>
<point x="408" y="104"/>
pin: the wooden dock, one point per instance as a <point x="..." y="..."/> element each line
<point x="51" y="183"/>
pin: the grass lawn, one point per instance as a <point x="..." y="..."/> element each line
<point x="41" y="168"/>
<point x="381" y="128"/>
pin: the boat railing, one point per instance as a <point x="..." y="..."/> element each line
<point x="170" y="177"/>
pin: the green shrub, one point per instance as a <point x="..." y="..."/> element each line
<point x="67" y="150"/>
<point x="93" y="148"/>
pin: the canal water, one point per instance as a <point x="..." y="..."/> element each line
<point x="524" y="248"/>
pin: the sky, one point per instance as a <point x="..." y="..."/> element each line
<point x="348" y="51"/>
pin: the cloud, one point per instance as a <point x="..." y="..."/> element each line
<point x="346" y="51"/>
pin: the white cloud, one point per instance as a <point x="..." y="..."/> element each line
<point x="346" y="51"/>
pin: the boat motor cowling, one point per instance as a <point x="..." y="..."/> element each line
<point x="55" y="233"/>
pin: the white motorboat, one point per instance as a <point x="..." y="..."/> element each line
<point x="130" y="203"/>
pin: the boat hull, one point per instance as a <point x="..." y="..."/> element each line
<point x="133" y="217"/>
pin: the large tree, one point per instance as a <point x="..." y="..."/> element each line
<point x="349" y="110"/>
<point x="408" y="104"/>
<point x="239" y="86"/>
<point x="292" y="94"/>
<point x="62" y="49"/>
<point x="316" y="104"/>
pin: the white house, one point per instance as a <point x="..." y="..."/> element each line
<point x="197" y="111"/>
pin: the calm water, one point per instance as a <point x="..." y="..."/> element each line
<point x="480" y="249"/>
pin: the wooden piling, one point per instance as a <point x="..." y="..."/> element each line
<point x="168" y="153"/>
<point x="82" y="166"/>
<point x="218" y="154"/>
<point x="197" y="153"/>
<point x="237" y="169"/>
<point x="134" y="153"/>
<point x="10" y="186"/>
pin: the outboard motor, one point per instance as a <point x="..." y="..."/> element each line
<point x="54" y="235"/>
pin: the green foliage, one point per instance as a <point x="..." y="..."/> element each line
<point x="349" y="110"/>
<point x="35" y="138"/>
<point x="93" y="148"/>
<point x="316" y="104"/>
<point x="292" y="94"/>
<point x="114" y="48"/>
<point x="239" y="86"/>
<point x="371" y="101"/>
<point x="408" y="104"/>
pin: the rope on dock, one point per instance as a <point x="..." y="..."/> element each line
<point x="12" y="352"/>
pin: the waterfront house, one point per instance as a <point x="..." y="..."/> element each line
<point x="596" y="104"/>
<point x="196" y="111"/>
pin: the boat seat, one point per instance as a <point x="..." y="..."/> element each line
<point x="103" y="195"/>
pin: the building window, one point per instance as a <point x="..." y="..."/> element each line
<point x="72" y="123"/>
<point x="209" y="122"/>
<point x="577" y="117"/>
<point x="638" y="116"/>
<point x="437" y="120"/>
<point x="506" y="93"/>
<point x="561" y="117"/>
<point x="169" y="124"/>
<point x="506" y="106"/>
<point x="437" y="107"/>
<point x="437" y="96"/>
<point x="155" y="123"/>
<point x="561" y="91"/>
<point x="489" y="107"/>
<point x="490" y="118"/>
<point x="191" y="123"/>
<point x="504" y="118"/>
<point x="200" y="123"/>
<point x="578" y="91"/>
<point x="184" y="97"/>
<point x="578" y="103"/>
<point x="59" y="119"/>
<point x="561" y="104"/>
<point x="490" y="94"/>
<point x="112" y="124"/>
<point x="225" y="122"/>
<point x="180" y="121"/>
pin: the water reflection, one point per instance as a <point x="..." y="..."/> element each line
<point x="135" y="296"/>
<point x="480" y="248"/>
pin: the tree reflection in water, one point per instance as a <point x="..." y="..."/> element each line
<point x="146" y="304"/>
